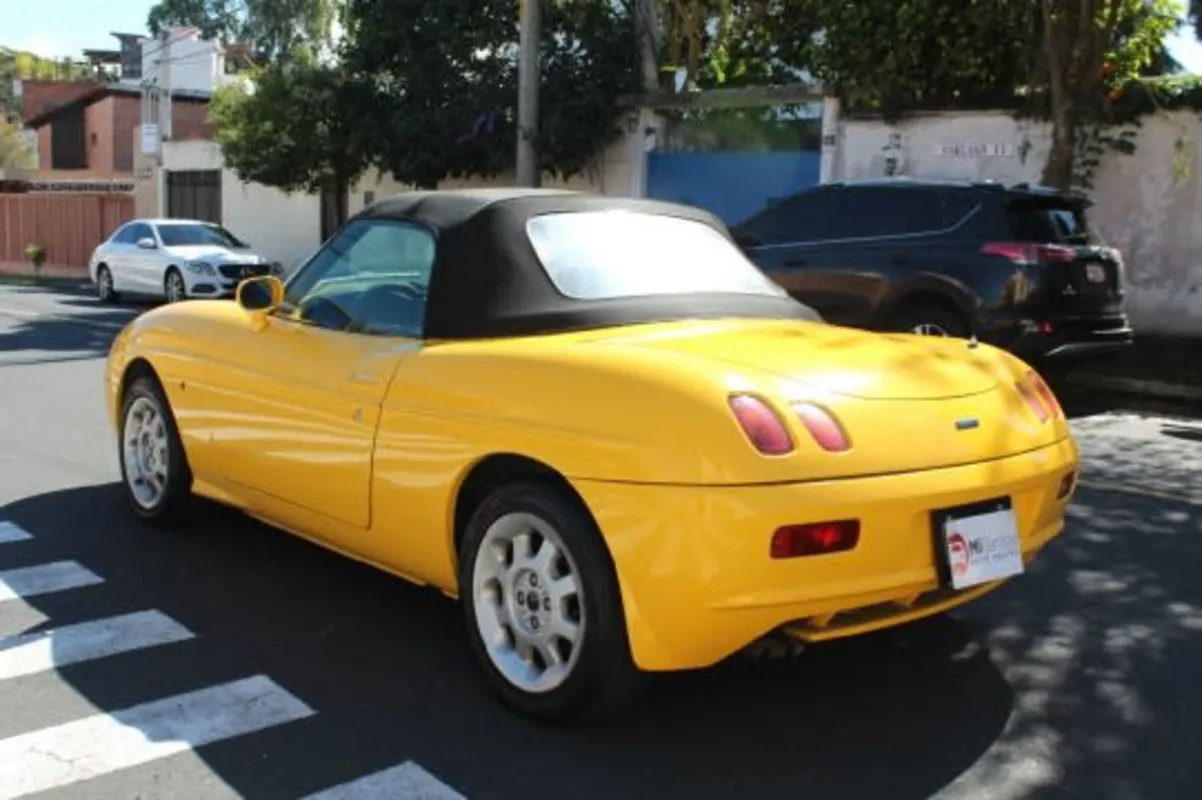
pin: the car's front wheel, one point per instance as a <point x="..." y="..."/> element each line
<point x="154" y="467"/>
<point x="174" y="287"/>
<point x="104" y="285"/>
<point x="545" y="618"/>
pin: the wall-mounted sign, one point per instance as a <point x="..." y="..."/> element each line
<point x="978" y="150"/>
<point x="150" y="138"/>
<point x="81" y="187"/>
<point x="144" y="173"/>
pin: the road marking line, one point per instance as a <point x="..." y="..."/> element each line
<point x="58" y="756"/>
<point x="58" y="576"/>
<point x="87" y="641"/>
<point x="405" y="781"/>
<point x="11" y="532"/>
<point x="81" y="319"/>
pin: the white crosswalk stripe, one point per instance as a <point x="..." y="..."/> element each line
<point x="98" y="745"/>
<point x="10" y="532"/>
<point x="105" y="743"/>
<point x="405" y="781"/>
<point x="59" y="576"/>
<point x="86" y="641"/>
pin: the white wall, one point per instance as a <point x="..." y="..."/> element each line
<point x="188" y="62"/>
<point x="1140" y="207"/>
<point x="279" y="226"/>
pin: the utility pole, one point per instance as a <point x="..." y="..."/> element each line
<point x="528" y="172"/>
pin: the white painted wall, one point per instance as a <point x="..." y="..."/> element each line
<point x="1140" y="207"/>
<point x="279" y="226"/>
<point x="187" y="61"/>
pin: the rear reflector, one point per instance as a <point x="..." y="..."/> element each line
<point x="813" y="539"/>
<point x="1027" y="254"/>
<point x="760" y="424"/>
<point x="823" y="427"/>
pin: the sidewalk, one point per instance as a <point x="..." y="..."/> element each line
<point x="1163" y="367"/>
<point x="50" y="276"/>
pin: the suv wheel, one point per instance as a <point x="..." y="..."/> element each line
<point x="931" y="320"/>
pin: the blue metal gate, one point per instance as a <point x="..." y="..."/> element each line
<point x="731" y="184"/>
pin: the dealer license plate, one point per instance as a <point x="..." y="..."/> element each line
<point x="980" y="543"/>
<point x="1095" y="273"/>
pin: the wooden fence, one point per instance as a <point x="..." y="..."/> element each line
<point x="69" y="226"/>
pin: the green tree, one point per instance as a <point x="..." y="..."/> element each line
<point x="296" y="126"/>
<point x="14" y="153"/>
<point x="273" y="28"/>
<point x="445" y="83"/>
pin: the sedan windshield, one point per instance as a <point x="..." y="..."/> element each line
<point x="186" y="235"/>
<point x="595" y="255"/>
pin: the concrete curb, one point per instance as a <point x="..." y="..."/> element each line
<point x="1160" y="389"/>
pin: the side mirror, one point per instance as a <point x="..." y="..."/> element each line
<point x="259" y="296"/>
<point x="146" y="243"/>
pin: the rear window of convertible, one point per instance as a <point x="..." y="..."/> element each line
<point x="596" y="255"/>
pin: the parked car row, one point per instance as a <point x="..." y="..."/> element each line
<point x="1017" y="266"/>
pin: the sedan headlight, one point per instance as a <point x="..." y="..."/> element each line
<point x="201" y="268"/>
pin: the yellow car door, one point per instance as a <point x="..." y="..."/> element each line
<point x="297" y="402"/>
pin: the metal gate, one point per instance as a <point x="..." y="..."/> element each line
<point x="194" y="194"/>
<point x="733" y="162"/>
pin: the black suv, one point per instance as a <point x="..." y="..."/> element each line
<point x="1015" y="266"/>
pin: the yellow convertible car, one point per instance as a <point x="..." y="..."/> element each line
<point x="594" y="422"/>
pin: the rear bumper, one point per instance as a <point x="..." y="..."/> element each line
<point x="1071" y="338"/>
<point x="698" y="584"/>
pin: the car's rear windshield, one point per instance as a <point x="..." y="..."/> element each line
<point x="181" y="235"/>
<point x="1049" y="221"/>
<point x="594" y="255"/>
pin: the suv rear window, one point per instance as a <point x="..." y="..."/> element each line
<point x="1049" y="221"/>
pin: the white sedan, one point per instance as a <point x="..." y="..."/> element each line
<point x="172" y="258"/>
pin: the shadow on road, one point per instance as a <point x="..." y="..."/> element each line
<point x="895" y="715"/>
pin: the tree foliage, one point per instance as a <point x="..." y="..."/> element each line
<point x="296" y="127"/>
<point x="273" y="28"/>
<point x="444" y="78"/>
<point x="14" y="153"/>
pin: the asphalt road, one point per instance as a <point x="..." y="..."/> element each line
<point x="235" y="661"/>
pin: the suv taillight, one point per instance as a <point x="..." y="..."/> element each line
<point x="1026" y="254"/>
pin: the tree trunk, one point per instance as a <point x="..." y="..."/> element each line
<point x="1058" y="171"/>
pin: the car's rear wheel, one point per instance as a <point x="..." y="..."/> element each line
<point x="104" y="285"/>
<point x="544" y="614"/>
<point x="174" y="286"/>
<point x="154" y="466"/>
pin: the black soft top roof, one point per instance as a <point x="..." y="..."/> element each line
<point x="487" y="280"/>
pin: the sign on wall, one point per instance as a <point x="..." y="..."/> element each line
<point x="978" y="150"/>
<point x="150" y="138"/>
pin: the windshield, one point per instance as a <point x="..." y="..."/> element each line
<point x="185" y="235"/>
<point x="594" y="255"/>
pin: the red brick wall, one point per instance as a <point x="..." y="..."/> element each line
<point x="98" y="134"/>
<point x="41" y="95"/>
<point x="127" y="116"/>
<point x="190" y="119"/>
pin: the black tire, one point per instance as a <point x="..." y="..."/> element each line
<point x="104" y="285"/>
<point x="174" y="503"/>
<point x="911" y="318"/>
<point x="173" y="275"/>
<point x="604" y="680"/>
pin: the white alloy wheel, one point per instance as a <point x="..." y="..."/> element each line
<point x="929" y="329"/>
<point x="104" y="284"/>
<point x="529" y="600"/>
<point x="145" y="452"/>
<point x="176" y="290"/>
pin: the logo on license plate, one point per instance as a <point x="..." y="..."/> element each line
<point x="1096" y="273"/>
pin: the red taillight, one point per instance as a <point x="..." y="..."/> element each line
<point x="823" y="427"/>
<point x="1038" y="396"/>
<point x="1045" y="394"/>
<point x="1027" y="254"/>
<point x="760" y="424"/>
<point x="816" y="538"/>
